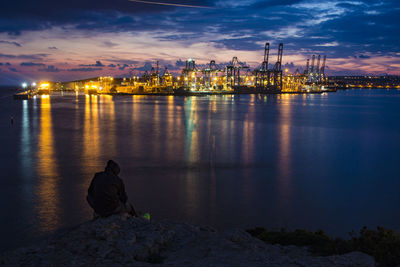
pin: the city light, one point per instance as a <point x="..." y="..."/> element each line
<point x="231" y="79"/>
<point x="44" y="86"/>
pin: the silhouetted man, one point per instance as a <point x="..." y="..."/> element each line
<point x="106" y="194"/>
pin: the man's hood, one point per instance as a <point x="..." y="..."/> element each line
<point x="112" y="167"/>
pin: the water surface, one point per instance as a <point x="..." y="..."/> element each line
<point x="328" y="161"/>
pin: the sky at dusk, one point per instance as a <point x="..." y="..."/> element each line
<point x="68" y="40"/>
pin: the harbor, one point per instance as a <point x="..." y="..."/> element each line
<point x="211" y="78"/>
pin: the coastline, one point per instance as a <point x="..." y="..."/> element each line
<point x="123" y="240"/>
<point x="25" y="95"/>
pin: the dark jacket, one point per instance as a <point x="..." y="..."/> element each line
<point x="106" y="192"/>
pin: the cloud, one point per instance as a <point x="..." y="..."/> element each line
<point x="13" y="69"/>
<point x="98" y="64"/>
<point x="31" y="64"/>
<point x="49" y="68"/>
<point x="180" y="63"/>
<point x="7" y="56"/>
<point x="125" y="61"/>
<point x="338" y="28"/>
<point x="52" y="48"/>
<point x="274" y="3"/>
<point x="81" y="13"/>
<point x="122" y="66"/>
<point x="84" y="69"/>
<point x="24" y="56"/>
<point x="109" y="44"/>
<point x="330" y="44"/>
<point x="168" y="4"/>
<point x="146" y="67"/>
<point x="11" y="43"/>
<point x="364" y="56"/>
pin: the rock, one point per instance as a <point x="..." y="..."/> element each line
<point x="122" y="240"/>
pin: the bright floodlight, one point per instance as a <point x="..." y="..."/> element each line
<point x="24" y="85"/>
<point x="33" y="84"/>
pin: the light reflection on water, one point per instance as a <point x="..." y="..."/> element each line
<point x="91" y="138"/>
<point x="284" y="153"/>
<point x="227" y="161"/>
<point x="25" y="149"/>
<point x="48" y="205"/>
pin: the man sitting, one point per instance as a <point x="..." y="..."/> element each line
<point x="106" y="193"/>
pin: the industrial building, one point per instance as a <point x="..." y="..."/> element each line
<point x="234" y="77"/>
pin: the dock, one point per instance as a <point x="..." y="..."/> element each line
<point x="24" y="95"/>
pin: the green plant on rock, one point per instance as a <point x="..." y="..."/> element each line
<point x="383" y="244"/>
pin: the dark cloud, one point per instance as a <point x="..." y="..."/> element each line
<point x="180" y="63"/>
<point x="83" y="13"/>
<point x="360" y="32"/>
<point x="109" y="44"/>
<point x="23" y="56"/>
<point x="49" y="68"/>
<point x="52" y="48"/>
<point x="123" y="66"/>
<point x="339" y="29"/>
<point x="84" y="69"/>
<point x="31" y="64"/>
<point x="11" y="43"/>
<point x="171" y="67"/>
<point x="125" y="61"/>
<point x="146" y="67"/>
<point x="13" y="69"/>
<point x="274" y="3"/>
<point x="239" y="43"/>
<point x="98" y="64"/>
<point x="14" y="26"/>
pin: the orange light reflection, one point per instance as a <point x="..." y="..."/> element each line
<point x="284" y="147"/>
<point x="47" y="167"/>
<point x="91" y="139"/>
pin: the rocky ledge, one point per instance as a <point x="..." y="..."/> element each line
<point x="128" y="241"/>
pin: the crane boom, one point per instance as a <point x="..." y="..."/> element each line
<point x="318" y="63"/>
<point x="307" y="66"/>
<point x="323" y="67"/>
<point x="278" y="64"/>
<point x="264" y="65"/>
<point x="312" y="64"/>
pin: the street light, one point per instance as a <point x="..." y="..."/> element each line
<point x="24" y="85"/>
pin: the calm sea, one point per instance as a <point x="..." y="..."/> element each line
<point x="321" y="161"/>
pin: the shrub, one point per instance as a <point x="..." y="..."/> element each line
<point x="382" y="244"/>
